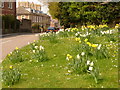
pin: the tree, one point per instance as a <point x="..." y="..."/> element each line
<point x="70" y="13"/>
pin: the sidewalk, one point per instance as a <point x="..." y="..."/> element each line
<point x="14" y="34"/>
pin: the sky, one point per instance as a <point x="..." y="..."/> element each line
<point x="44" y="6"/>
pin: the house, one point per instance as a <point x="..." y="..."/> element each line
<point x="8" y="8"/>
<point x="31" y="11"/>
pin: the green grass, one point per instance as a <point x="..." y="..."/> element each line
<point x="52" y="73"/>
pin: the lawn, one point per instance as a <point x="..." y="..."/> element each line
<point x="54" y="70"/>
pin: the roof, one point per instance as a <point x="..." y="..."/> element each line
<point x="22" y="10"/>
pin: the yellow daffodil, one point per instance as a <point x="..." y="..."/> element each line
<point x="16" y="48"/>
<point x="77" y="39"/>
<point x="86" y="40"/>
<point x="94" y="45"/>
<point x="11" y="67"/>
<point x="89" y="43"/>
<point x="69" y="56"/>
<point x="9" y="54"/>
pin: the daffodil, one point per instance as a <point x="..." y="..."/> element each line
<point x="34" y="40"/>
<point x="68" y="57"/>
<point x="9" y="54"/>
<point x="86" y="40"/>
<point x="11" y="67"/>
<point x="83" y="53"/>
<point x="77" y="39"/>
<point x="94" y="45"/>
<point x="89" y="43"/>
<point x="90" y="68"/>
<point x="16" y="48"/>
<point x="91" y="64"/>
<point x="78" y="56"/>
<point x="88" y="62"/>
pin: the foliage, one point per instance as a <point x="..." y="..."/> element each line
<point x="71" y="13"/>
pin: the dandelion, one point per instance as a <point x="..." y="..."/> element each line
<point x="11" y="67"/>
<point x="90" y="68"/>
<point x="83" y="53"/>
<point x="78" y="56"/>
<point x="16" y="48"/>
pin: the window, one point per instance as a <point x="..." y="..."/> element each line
<point x="1" y="4"/>
<point x="10" y="5"/>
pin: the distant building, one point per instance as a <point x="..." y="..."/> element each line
<point x="31" y="11"/>
<point x="8" y="8"/>
<point x="30" y="5"/>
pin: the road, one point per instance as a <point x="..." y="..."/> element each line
<point x="8" y="44"/>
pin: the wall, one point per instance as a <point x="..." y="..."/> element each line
<point x="25" y="26"/>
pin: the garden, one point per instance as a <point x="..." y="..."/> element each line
<point x="83" y="57"/>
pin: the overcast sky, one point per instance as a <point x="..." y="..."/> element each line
<point x="44" y="5"/>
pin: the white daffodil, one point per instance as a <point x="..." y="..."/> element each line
<point x="83" y="53"/>
<point x="76" y="34"/>
<point x="41" y="47"/>
<point x="99" y="46"/>
<point x="78" y="56"/>
<point x="90" y="68"/>
<point x="69" y="71"/>
<point x="91" y="64"/>
<point x="67" y="58"/>
<point x="36" y="47"/>
<point x="33" y="51"/>
<point x="88" y="62"/>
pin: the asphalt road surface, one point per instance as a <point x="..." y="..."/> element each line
<point x="8" y="44"/>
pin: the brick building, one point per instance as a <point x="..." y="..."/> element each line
<point x="8" y="8"/>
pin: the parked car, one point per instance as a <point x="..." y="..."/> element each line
<point x="52" y="29"/>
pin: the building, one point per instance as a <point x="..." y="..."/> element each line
<point x="31" y="11"/>
<point x="8" y="8"/>
<point x="30" y="5"/>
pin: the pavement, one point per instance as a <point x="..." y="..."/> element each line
<point x="9" y="42"/>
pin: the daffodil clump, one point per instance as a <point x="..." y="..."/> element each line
<point x="11" y="76"/>
<point x="15" y="56"/>
<point x="39" y="54"/>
